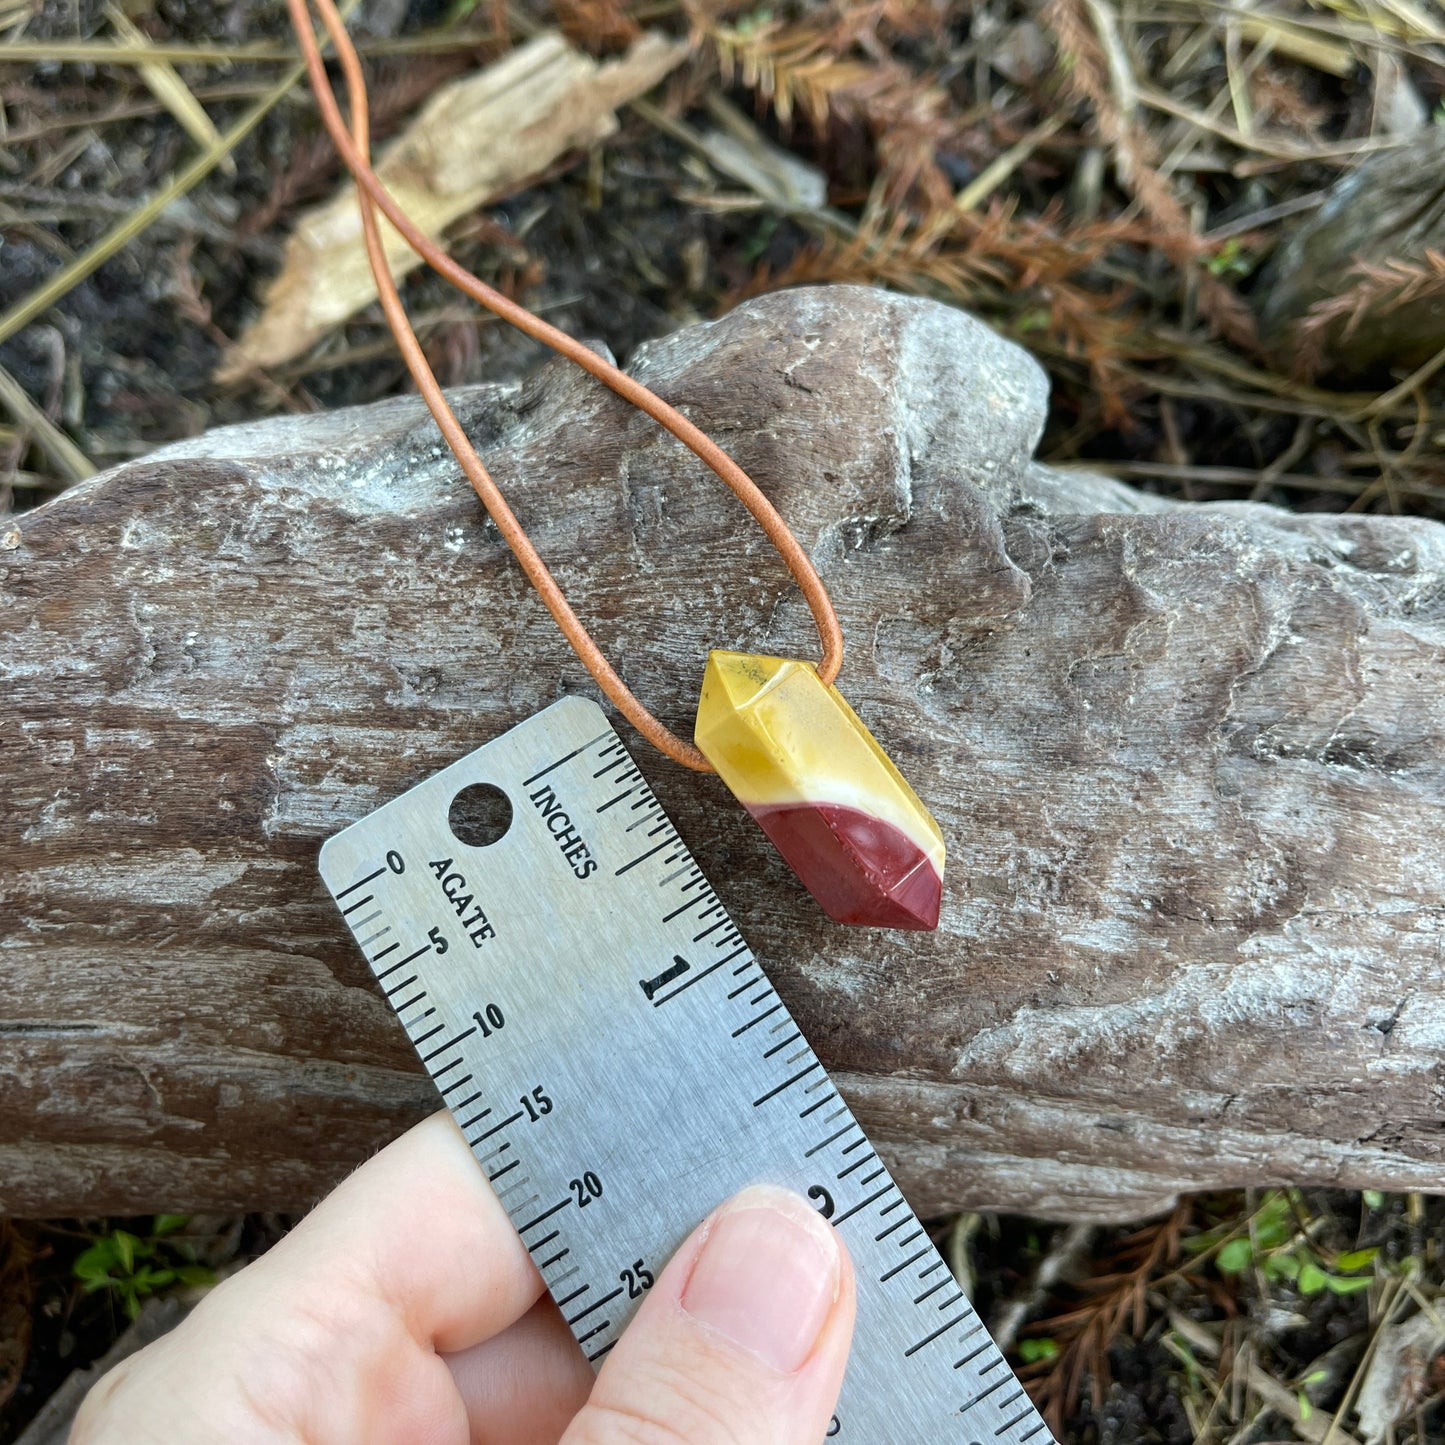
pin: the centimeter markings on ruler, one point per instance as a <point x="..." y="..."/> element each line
<point x="619" y="1064"/>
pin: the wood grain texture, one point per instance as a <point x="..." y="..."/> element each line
<point x="1190" y="762"/>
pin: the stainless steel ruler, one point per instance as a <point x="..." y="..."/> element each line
<point x="620" y="1064"/>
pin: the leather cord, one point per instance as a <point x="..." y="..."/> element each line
<point x="354" y="146"/>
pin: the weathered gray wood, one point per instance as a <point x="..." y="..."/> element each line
<point x="1190" y="762"/>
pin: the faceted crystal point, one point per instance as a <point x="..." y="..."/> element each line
<point x="799" y="760"/>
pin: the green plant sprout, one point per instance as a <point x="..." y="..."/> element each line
<point x="1302" y="1399"/>
<point x="1030" y="1351"/>
<point x="132" y="1268"/>
<point x="1230" y="260"/>
<point x="1281" y="1251"/>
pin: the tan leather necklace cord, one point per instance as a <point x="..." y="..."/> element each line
<point x="355" y="149"/>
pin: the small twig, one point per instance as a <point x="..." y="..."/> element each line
<point x="17" y="13"/>
<point x="1295" y="41"/>
<point x="1121" y="72"/>
<point x="1005" y="164"/>
<point x="959" y="1263"/>
<point x="1389" y="400"/>
<point x="241" y="89"/>
<point x="164" y="82"/>
<point x="1239" y="477"/>
<point x="119" y="237"/>
<point x="1238" y="86"/>
<point x="68" y="277"/>
<point x="1389" y="1306"/>
<point x="1282" y="150"/>
<point x="1066" y="1252"/>
<point x="70" y="463"/>
<point x="1304" y="434"/>
<point x="1257" y="220"/>
<point x="109" y="52"/>
<point x="1318" y="1427"/>
<point x="1367" y="34"/>
<point x="1222" y="363"/>
<point x="824" y="218"/>
<point x="1257" y="400"/>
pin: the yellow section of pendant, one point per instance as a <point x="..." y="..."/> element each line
<point x="801" y="762"/>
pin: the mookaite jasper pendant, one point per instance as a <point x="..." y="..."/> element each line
<point x="799" y="760"/>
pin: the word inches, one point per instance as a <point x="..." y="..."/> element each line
<point x="574" y="850"/>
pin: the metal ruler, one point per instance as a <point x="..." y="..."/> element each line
<point x="620" y="1064"/>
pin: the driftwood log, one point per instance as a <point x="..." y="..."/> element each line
<point x="1190" y="761"/>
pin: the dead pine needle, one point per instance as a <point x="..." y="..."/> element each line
<point x="164" y="82"/>
<point x="1112" y="1301"/>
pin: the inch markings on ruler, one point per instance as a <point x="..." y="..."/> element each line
<point x="620" y="1064"/>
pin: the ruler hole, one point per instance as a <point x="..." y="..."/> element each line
<point x="480" y="815"/>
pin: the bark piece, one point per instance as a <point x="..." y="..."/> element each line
<point x="1189" y="762"/>
<point x="477" y="139"/>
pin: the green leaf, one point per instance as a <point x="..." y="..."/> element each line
<point x="1274" y="1223"/>
<point x="1230" y="260"/>
<point x="125" y="1249"/>
<point x="1305" y="1408"/>
<point x="1353" y="1284"/>
<point x="1372" y="1197"/>
<point x="195" y="1274"/>
<point x="169" y="1224"/>
<point x="1031" y="1351"/>
<point x="1235" y="1256"/>
<point x="1281" y="1266"/>
<point x="1356" y="1258"/>
<point x="1312" y="1279"/>
<point x="1315" y="1377"/>
<point x="96" y="1262"/>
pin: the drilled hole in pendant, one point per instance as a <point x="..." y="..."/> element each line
<point x="480" y="815"/>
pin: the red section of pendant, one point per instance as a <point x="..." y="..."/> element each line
<point x="859" y="868"/>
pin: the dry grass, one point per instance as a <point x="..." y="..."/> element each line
<point x="1104" y="182"/>
<point x="1238" y="1318"/>
<point x="1107" y="183"/>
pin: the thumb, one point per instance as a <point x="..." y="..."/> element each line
<point x="742" y="1341"/>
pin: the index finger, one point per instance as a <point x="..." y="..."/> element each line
<point x="418" y="1228"/>
<point x="337" y="1334"/>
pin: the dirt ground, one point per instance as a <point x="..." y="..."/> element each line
<point x="1127" y="188"/>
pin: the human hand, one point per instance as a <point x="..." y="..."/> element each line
<point x="405" y="1311"/>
